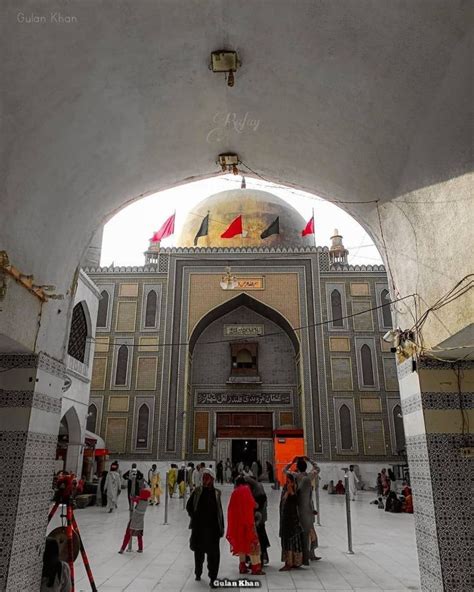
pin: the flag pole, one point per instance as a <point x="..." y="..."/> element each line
<point x="314" y="230"/>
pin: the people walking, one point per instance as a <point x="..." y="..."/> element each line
<point x="207" y="526"/>
<point x="304" y="496"/>
<point x="112" y="487"/>
<point x="154" y="481"/>
<point x="197" y="476"/>
<point x="172" y="479"/>
<point x="136" y="523"/>
<point x="353" y="480"/>
<point x="134" y="479"/>
<point x="228" y="471"/>
<point x="291" y="531"/>
<point x="241" y="529"/>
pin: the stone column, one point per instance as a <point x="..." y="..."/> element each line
<point x="438" y="408"/>
<point x="30" y="402"/>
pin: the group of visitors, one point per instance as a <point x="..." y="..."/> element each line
<point x="246" y="518"/>
<point x="228" y="472"/>
<point x="388" y="499"/>
<point x="246" y="515"/>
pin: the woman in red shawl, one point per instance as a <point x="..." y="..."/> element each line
<point x="241" y="530"/>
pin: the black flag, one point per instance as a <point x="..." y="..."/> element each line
<point x="274" y="228"/>
<point x="203" y="229"/>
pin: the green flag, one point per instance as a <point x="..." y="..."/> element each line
<point x="203" y="229"/>
<point x="274" y="228"/>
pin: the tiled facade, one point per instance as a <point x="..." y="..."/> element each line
<point x="296" y="284"/>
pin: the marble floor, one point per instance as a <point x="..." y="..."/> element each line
<point x="384" y="556"/>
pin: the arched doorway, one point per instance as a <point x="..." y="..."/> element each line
<point x="68" y="453"/>
<point x="251" y="388"/>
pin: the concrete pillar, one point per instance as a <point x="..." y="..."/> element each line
<point x="30" y="401"/>
<point x="438" y="408"/>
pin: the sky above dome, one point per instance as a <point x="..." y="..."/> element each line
<point x="127" y="234"/>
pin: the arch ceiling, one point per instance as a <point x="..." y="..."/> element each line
<point x="356" y="101"/>
<point x="251" y="303"/>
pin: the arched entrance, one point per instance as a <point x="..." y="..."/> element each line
<point x="69" y="442"/>
<point x="252" y="387"/>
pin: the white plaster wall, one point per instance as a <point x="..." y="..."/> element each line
<point x="77" y="395"/>
<point x="375" y="106"/>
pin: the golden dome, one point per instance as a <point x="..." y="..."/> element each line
<point x="258" y="209"/>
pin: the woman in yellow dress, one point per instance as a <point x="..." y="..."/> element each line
<point x="154" y="481"/>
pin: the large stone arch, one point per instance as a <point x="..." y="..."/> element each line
<point x="206" y="343"/>
<point x="373" y="111"/>
<point x="254" y="304"/>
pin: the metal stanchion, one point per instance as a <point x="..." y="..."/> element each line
<point x="184" y="496"/>
<point x="348" y="515"/>
<point x="316" y="491"/>
<point x="166" y="499"/>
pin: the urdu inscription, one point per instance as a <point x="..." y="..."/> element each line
<point x="223" y="398"/>
<point x="249" y="283"/>
<point x="243" y="330"/>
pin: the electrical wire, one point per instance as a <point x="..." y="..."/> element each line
<point x="465" y="430"/>
<point x="301" y="328"/>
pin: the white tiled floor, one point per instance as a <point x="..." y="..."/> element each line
<point x="384" y="557"/>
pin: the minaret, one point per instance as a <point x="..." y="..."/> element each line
<point x="337" y="251"/>
<point x="151" y="254"/>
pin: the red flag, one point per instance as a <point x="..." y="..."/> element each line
<point x="235" y="228"/>
<point x="166" y="230"/>
<point x="309" y="228"/>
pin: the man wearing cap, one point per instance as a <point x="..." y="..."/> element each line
<point x="207" y="525"/>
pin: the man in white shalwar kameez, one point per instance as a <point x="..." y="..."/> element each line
<point x="353" y="480"/>
<point x="113" y="485"/>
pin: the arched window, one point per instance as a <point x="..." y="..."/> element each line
<point x="386" y="315"/>
<point x="142" y="426"/>
<point x="367" y="367"/>
<point x="103" y="309"/>
<point x="150" y="309"/>
<point x="399" y="429"/>
<point x="91" y="418"/>
<point x="122" y="366"/>
<point x="346" y="427"/>
<point x="78" y="335"/>
<point x="336" y="309"/>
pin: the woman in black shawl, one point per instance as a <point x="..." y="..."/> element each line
<point x="291" y="532"/>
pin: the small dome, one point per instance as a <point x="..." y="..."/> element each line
<point x="258" y="209"/>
